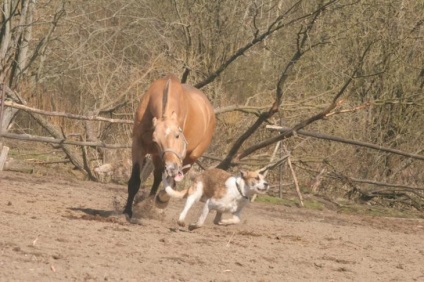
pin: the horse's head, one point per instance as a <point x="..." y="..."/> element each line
<point x="171" y="144"/>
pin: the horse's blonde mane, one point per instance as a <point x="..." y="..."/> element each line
<point x="166" y="92"/>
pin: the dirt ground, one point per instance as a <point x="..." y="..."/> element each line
<point x="64" y="229"/>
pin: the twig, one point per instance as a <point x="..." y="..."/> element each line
<point x="35" y="240"/>
<point x="47" y="162"/>
<point x="266" y="168"/>
<point x="317" y="181"/>
<point x="85" y="160"/>
<point x="2" y="108"/>
<point x="275" y="164"/>
<point x="273" y="156"/>
<point x="296" y="183"/>
<point x="229" y="241"/>
<point x="355" y="109"/>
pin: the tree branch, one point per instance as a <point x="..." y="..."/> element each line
<point x="62" y="114"/>
<point x="302" y="36"/>
<point x="377" y="183"/>
<point x="310" y="120"/>
<point x="60" y="141"/>
<point x="347" y="141"/>
<point x="244" y="109"/>
<point x="272" y="28"/>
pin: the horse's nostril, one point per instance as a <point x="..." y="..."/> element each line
<point x="173" y="169"/>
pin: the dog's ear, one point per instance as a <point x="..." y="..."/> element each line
<point x="243" y="173"/>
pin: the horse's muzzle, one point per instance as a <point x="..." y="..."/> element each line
<point x="174" y="171"/>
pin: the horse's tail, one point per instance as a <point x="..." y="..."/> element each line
<point x="176" y="194"/>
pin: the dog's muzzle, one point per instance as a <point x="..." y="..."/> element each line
<point x="264" y="188"/>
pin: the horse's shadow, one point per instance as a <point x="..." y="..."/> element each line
<point x="145" y="208"/>
<point x="94" y="212"/>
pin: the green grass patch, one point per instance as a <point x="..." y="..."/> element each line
<point x="342" y="206"/>
<point x="375" y="211"/>
<point x="35" y="155"/>
<point x="290" y="202"/>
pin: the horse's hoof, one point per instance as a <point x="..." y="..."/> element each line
<point x="134" y="220"/>
<point x="128" y="215"/>
<point x="162" y="199"/>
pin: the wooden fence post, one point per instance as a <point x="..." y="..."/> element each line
<point x="3" y="155"/>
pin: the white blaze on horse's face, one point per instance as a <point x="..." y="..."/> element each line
<point x="171" y="145"/>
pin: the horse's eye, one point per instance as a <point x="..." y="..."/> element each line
<point x="177" y="136"/>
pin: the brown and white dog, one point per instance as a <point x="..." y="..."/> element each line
<point x="220" y="191"/>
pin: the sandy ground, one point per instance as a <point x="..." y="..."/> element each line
<point x="63" y="229"/>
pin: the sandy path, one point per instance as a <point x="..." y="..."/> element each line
<point x="61" y="229"/>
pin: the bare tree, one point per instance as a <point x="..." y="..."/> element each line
<point x="18" y="51"/>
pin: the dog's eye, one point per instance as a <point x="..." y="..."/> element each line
<point x="258" y="178"/>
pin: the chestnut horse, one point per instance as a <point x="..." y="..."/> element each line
<point x="174" y="123"/>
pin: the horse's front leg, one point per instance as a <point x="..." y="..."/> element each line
<point x="133" y="187"/>
<point x="139" y="163"/>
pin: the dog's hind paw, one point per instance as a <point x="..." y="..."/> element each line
<point x="181" y="223"/>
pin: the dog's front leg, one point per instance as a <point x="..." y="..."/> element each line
<point x="218" y="217"/>
<point x="202" y="217"/>
<point x="189" y="203"/>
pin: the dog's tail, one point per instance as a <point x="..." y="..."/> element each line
<point x="176" y="194"/>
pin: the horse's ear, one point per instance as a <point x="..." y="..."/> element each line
<point x="174" y="115"/>
<point x="154" y="121"/>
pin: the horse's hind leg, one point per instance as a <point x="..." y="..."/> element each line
<point x="157" y="179"/>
